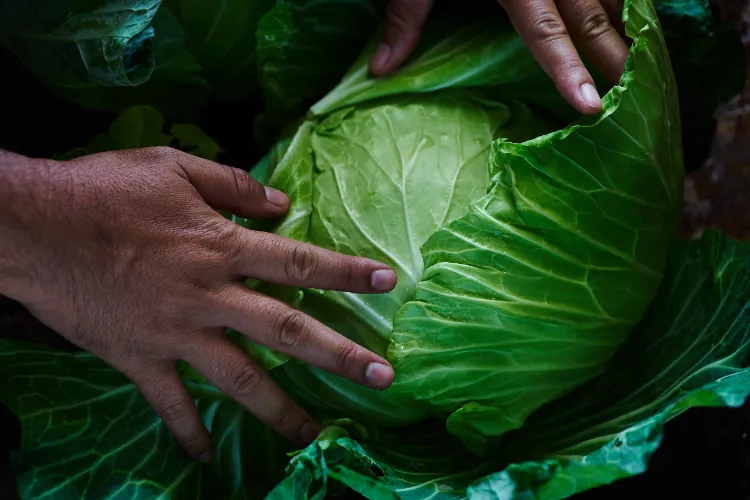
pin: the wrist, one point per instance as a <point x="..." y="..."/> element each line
<point x="24" y="191"/>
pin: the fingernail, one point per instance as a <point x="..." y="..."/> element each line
<point x="276" y="197"/>
<point x="590" y="96"/>
<point x="379" y="375"/>
<point x="309" y="432"/>
<point x="380" y="59"/>
<point x="383" y="280"/>
<point x="206" y="457"/>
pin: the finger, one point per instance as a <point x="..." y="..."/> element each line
<point x="274" y="259"/>
<point x="229" y="369"/>
<point x="162" y="388"/>
<point x="539" y="23"/>
<point x="403" y="27"/>
<point x="283" y="328"/>
<point x="232" y="189"/>
<point x="593" y="34"/>
<point x="614" y="10"/>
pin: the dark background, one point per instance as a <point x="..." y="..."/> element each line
<point x="706" y="452"/>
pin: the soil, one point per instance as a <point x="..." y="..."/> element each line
<point x="704" y="450"/>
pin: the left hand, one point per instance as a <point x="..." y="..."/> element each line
<point x="123" y="253"/>
<point x="552" y="29"/>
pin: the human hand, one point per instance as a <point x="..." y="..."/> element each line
<point x="552" y="30"/>
<point x="124" y="255"/>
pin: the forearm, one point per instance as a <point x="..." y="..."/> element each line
<point x="23" y="189"/>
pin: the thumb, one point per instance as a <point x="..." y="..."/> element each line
<point x="232" y="189"/>
<point x="403" y="27"/>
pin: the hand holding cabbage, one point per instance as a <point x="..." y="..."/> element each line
<point x="549" y="28"/>
<point x="124" y="254"/>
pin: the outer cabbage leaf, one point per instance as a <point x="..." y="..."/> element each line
<point x="107" y="54"/>
<point x="221" y="36"/>
<point x="692" y="349"/>
<point x="176" y="87"/>
<point x="263" y="170"/>
<point x="142" y="127"/>
<point x="192" y="139"/>
<point x="698" y="322"/>
<point x="76" y="44"/>
<point x="305" y="46"/>
<point x="529" y="294"/>
<point x="479" y="54"/>
<point x="425" y="465"/>
<point x="89" y="434"/>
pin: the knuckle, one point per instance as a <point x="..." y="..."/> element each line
<point x="222" y="239"/>
<point x="346" y="358"/>
<point x="222" y="231"/>
<point x="244" y="185"/>
<point x="291" y="330"/>
<point x="172" y="409"/>
<point x="282" y="418"/>
<point x="245" y="381"/>
<point x="594" y="25"/>
<point x="570" y="66"/>
<point x="302" y="264"/>
<point x="350" y="274"/>
<point x="548" y="27"/>
<point x="211" y="252"/>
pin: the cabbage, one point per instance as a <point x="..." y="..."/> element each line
<point x="547" y="322"/>
<point x="518" y="279"/>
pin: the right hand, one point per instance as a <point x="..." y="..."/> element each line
<point x="552" y="30"/>
<point x="123" y="254"/>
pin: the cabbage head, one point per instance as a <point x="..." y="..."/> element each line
<point x="526" y="251"/>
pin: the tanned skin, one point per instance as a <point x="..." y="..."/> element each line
<point x="124" y="254"/>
